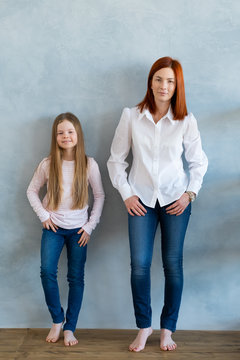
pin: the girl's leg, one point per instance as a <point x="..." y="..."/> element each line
<point x="51" y="247"/>
<point x="142" y="231"/>
<point x="76" y="263"/>
<point x="173" y="230"/>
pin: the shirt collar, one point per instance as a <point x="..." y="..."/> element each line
<point x="146" y="112"/>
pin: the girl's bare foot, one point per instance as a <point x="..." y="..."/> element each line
<point x="139" y="343"/>
<point x="54" y="333"/>
<point x="166" y="341"/>
<point x="69" y="338"/>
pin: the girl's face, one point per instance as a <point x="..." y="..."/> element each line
<point x="66" y="135"/>
<point x="163" y="85"/>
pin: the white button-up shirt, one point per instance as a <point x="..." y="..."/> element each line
<point x="157" y="171"/>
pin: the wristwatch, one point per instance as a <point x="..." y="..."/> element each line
<point x="192" y="195"/>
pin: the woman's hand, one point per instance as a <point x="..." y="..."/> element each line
<point x="84" y="239"/>
<point x="134" y="207"/>
<point x="48" y="224"/>
<point x="178" y="207"/>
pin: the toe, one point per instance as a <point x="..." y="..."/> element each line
<point x="164" y="348"/>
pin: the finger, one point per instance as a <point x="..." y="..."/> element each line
<point x="53" y="228"/>
<point x="180" y="211"/>
<point x="82" y="237"/>
<point x="141" y="207"/>
<point x="138" y="212"/>
<point x="130" y="212"/>
<point x="172" y="206"/>
<point x="171" y="211"/>
<point x="83" y="242"/>
<point x="174" y="211"/>
<point x="80" y="231"/>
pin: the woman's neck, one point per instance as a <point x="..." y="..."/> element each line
<point x="161" y="110"/>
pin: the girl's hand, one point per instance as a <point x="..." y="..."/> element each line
<point x="134" y="207"/>
<point x="85" y="237"/>
<point x="48" y="224"/>
<point x="178" y="207"/>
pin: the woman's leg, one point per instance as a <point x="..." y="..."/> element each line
<point x="173" y="230"/>
<point x="51" y="247"/>
<point x="76" y="263"/>
<point x="142" y="231"/>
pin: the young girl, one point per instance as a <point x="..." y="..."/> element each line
<point x="64" y="216"/>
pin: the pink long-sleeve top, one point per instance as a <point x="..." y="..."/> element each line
<point x="65" y="217"/>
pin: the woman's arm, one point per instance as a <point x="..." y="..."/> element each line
<point x="194" y="155"/>
<point x="119" y="151"/>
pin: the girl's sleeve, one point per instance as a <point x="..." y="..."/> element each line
<point x="95" y="181"/>
<point x="38" y="180"/>
<point x="194" y="154"/>
<point x="119" y="151"/>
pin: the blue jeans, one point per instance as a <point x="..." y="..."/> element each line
<point x="51" y="248"/>
<point x="142" y="230"/>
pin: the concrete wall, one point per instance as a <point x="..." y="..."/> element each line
<point x="92" y="58"/>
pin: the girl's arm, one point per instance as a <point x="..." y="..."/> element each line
<point x="194" y="154"/>
<point x="38" y="180"/>
<point x="95" y="181"/>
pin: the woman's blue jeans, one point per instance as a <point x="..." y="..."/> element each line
<point x="51" y="248"/>
<point x="142" y="230"/>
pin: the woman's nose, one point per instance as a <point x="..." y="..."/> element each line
<point x="163" y="85"/>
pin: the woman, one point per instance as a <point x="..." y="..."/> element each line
<point x="159" y="131"/>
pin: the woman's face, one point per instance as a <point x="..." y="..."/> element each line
<point x="163" y="85"/>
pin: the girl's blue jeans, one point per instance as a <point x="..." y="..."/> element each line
<point x="142" y="230"/>
<point x="51" y="248"/>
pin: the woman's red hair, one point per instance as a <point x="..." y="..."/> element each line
<point x="178" y="101"/>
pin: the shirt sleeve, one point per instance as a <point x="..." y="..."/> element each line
<point x="95" y="181"/>
<point x="194" y="154"/>
<point x="119" y="151"/>
<point x="38" y="180"/>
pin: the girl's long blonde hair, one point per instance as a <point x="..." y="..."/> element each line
<point x="80" y="182"/>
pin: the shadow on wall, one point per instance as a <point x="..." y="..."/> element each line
<point x="212" y="245"/>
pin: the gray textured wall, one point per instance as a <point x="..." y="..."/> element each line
<point x="92" y="58"/>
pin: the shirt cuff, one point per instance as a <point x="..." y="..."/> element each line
<point x="125" y="192"/>
<point x="87" y="228"/>
<point x="44" y="217"/>
<point x="194" y="187"/>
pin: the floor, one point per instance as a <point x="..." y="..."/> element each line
<point x="25" y="344"/>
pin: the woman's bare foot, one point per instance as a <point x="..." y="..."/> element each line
<point x="54" y="333"/>
<point x="166" y="341"/>
<point x="139" y="343"/>
<point x="69" y="338"/>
